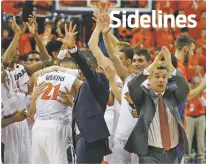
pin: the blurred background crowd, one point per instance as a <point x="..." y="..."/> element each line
<point x="51" y="26"/>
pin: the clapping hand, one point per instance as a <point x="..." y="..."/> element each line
<point x="32" y="25"/>
<point x="168" y="59"/>
<point x="15" y="26"/>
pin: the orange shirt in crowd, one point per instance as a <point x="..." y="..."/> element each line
<point x="185" y="5"/>
<point x="194" y="106"/>
<point x="191" y="67"/>
<point x="201" y="43"/>
<point x="202" y="60"/>
<point x="163" y="38"/>
<point x="162" y="5"/>
<point x="146" y="39"/>
<point x="24" y="44"/>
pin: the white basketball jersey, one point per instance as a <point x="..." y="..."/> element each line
<point x="47" y="106"/>
<point x="126" y="121"/>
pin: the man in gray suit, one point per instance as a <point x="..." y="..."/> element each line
<point x="159" y="128"/>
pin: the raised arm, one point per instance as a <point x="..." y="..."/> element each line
<point x="121" y="70"/>
<point x="115" y="90"/>
<point x="197" y="90"/>
<point x="11" y="50"/>
<point x="102" y="61"/>
<point x="89" y="72"/>
<point x="182" y="86"/>
<point x="33" y="26"/>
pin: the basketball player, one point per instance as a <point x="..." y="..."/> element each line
<point x="51" y="129"/>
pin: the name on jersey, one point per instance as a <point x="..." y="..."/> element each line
<point x="55" y="77"/>
<point x="20" y="74"/>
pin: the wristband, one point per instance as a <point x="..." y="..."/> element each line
<point x="72" y="50"/>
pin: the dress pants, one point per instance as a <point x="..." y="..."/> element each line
<point x="158" y="157"/>
<point x="92" y="152"/>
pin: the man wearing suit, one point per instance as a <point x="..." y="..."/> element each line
<point x="89" y="105"/>
<point x="159" y="128"/>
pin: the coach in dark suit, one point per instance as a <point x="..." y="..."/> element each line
<point x="159" y="128"/>
<point x="89" y="105"/>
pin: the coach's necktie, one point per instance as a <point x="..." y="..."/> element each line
<point x="164" y="125"/>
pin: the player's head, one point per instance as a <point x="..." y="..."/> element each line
<point x="185" y="45"/>
<point x="122" y="44"/>
<point x="32" y="57"/>
<point x="125" y="53"/>
<point x="68" y="63"/>
<point x="53" y="47"/>
<point x="141" y="59"/>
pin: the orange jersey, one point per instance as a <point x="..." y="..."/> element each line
<point x="195" y="107"/>
<point x="181" y="67"/>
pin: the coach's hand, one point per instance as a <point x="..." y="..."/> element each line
<point x="168" y="59"/>
<point x="66" y="96"/>
<point x="70" y="36"/>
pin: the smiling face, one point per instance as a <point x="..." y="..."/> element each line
<point x="139" y="62"/>
<point x="158" y="80"/>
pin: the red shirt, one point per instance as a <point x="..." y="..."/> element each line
<point x="194" y="106"/>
